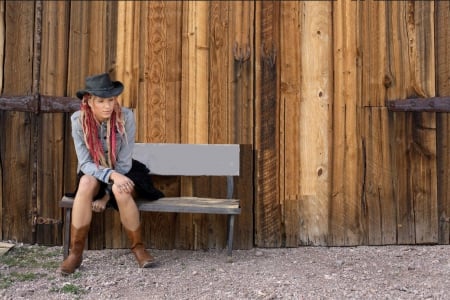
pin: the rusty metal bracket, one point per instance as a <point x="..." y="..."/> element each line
<point x="37" y="220"/>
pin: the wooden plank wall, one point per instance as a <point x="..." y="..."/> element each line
<point x="379" y="180"/>
<point x="302" y="83"/>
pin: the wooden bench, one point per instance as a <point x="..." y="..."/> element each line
<point x="183" y="160"/>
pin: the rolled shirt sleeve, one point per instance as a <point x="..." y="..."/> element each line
<point x="124" y="148"/>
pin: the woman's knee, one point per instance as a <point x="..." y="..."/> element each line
<point x="88" y="184"/>
<point x="121" y="196"/>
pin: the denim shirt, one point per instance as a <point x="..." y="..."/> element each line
<point x="124" y="150"/>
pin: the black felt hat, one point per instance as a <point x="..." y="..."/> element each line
<point x="101" y="86"/>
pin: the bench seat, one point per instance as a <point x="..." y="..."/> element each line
<point x="181" y="205"/>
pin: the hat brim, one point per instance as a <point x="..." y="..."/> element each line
<point x="116" y="90"/>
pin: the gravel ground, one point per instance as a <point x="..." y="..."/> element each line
<point x="387" y="272"/>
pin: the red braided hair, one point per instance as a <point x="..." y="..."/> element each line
<point x="90" y="130"/>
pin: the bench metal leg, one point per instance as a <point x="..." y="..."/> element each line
<point x="67" y="223"/>
<point x="230" y="234"/>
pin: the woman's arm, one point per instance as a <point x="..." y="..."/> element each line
<point x="125" y="153"/>
<point x="85" y="162"/>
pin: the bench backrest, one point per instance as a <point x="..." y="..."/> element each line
<point x="189" y="159"/>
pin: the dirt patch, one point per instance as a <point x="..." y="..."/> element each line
<point x="387" y="272"/>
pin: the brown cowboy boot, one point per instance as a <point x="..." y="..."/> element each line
<point x="77" y="241"/>
<point x="144" y="259"/>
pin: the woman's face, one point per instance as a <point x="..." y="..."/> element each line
<point x="102" y="108"/>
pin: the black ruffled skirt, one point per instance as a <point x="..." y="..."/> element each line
<point x="143" y="185"/>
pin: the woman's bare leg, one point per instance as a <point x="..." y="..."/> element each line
<point x="81" y="220"/>
<point x="82" y="205"/>
<point x="129" y="213"/>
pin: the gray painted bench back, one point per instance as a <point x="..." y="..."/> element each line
<point x="189" y="159"/>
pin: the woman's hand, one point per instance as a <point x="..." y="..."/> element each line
<point x="122" y="182"/>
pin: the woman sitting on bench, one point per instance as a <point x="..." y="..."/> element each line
<point x="103" y="133"/>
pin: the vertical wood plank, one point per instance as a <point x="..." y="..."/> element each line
<point x="152" y="108"/>
<point x="241" y="53"/>
<point x="411" y="57"/>
<point x="127" y="59"/>
<point x="378" y="201"/>
<point x="399" y="70"/>
<point x="78" y="46"/>
<point x="97" y="37"/>
<point x="426" y="202"/>
<point x="291" y="68"/>
<point x="267" y="202"/>
<point x="196" y="84"/>
<point x="345" y="225"/>
<point x="316" y="90"/>
<point x="218" y="110"/>
<point x="244" y="187"/>
<point x="442" y="21"/>
<point x="379" y="204"/>
<point x="2" y="45"/>
<point x="158" y="108"/>
<point x="53" y="73"/>
<point x="172" y="92"/>
<point x="2" y="124"/>
<point x="240" y="110"/>
<point x="218" y="75"/>
<point x="17" y="132"/>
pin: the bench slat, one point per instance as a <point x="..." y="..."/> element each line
<point x="181" y="205"/>
<point x="192" y="205"/>
<point x="189" y="159"/>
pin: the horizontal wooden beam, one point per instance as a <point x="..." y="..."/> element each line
<point x="19" y="103"/>
<point x="59" y="104"/>
<point x="434" y="104"/>
<point x="39" y="103"/>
